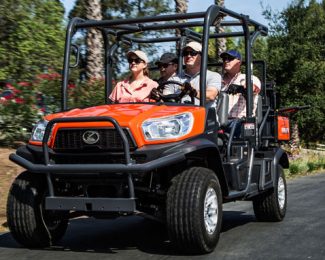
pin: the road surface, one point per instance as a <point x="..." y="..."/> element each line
<point x="300" y="236"/>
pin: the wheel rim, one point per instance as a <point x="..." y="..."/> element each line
<point x="281" y="193"/>
<point x="211" y="210"/>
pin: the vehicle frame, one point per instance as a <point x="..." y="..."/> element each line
<point x="225" y="168"/>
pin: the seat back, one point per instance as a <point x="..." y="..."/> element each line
<point x="222" y="108"/>
<point x="259" y="112"/>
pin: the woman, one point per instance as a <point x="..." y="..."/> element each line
<point x="138" y="86"/>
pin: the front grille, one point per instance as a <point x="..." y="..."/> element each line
<point x="109" y="140"/>
<point x="64" y="158"/>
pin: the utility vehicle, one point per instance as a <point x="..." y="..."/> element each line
<point x="167" y="160"/>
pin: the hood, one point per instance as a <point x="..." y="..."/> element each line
<point x="130" y="116"/>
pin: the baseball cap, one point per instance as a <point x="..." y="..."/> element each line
<point x="194" y="45"/>
<point x="139" y="54"/>
<point x="167" y="58"/>
<point x="232" y="53"/>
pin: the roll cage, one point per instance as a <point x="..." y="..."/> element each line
<point x="122" y="30"/>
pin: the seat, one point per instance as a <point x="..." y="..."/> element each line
<point x="258" y="111"/>
<point x="222" y="109"/>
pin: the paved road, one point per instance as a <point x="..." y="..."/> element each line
<point x="300" y="236"/>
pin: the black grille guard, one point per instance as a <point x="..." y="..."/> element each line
<point x="128" y="167"/>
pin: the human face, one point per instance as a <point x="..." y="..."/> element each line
<point x="231" y="64"/>
<point x="167" y="70"/>
<point x="191" y="57"/>
<point x="136" y="64"/>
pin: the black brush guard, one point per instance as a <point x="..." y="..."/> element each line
<point x="85" y="203"/>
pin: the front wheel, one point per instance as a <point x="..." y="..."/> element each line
<point x="194" y="210"/>
<point x="272" y="205"/>
<point x="29" y="223"/>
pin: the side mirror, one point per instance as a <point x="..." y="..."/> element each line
<point x="75" y="51"/>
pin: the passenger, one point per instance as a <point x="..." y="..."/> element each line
<point x="168" y="65"/>
<point x="237" y="102"/>
<point x="231" y="66"/>
<point x="138" y="86"/>
<point x="192" y="60"/>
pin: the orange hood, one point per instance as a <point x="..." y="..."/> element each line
<point x="132" y="116"/>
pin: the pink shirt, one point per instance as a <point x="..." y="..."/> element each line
<point x="124" y="93"/>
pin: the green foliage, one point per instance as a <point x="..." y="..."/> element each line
<point x="307" y="163"/>
<point x="18" y="115"/>
<point x="31" y="37"/>
<point x="296" y="61"/>
<point x="49" y="84"/>
<point x="89" y="93"/>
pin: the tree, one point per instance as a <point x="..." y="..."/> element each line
<point x="94" y="40"/>
<point x="181" y="7"/>
<point x="297" y="62"/>
<point x="220" y="42"/>
<point x="31" y="37"/>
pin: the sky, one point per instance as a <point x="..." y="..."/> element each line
<point x="253" y="8"/>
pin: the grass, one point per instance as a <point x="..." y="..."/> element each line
<point x="308" y="161"/>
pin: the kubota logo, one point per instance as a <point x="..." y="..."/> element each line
<point x="90" y="137"/>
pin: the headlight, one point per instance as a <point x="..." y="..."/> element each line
<point x="168" y="127"/>
<point x="38" y="131"/>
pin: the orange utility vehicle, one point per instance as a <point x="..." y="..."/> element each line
<point x="171" y="161"/>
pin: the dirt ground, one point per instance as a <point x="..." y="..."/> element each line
<point x="8" y="172"/>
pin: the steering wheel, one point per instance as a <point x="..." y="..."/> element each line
<point x="176" y="97"/>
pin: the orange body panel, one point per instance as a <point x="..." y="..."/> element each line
<point x="130" y="116"/>
<point x="283" y="128"/>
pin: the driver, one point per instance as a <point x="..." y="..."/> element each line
<point x="192" y="60"/>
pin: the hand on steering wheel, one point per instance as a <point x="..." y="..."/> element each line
<point x="186" y="89"/>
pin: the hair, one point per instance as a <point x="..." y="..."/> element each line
<point x="146" y="71"/>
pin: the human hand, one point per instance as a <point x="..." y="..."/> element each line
<point x="155" y="94"/>
<point x="188" y="89"/>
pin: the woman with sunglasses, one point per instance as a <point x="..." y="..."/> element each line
<point x="138" y="86"/>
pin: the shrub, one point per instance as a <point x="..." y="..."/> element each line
<point x="18" y="113"/>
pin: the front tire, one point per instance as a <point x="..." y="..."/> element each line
<point x="272" y="205"/>
<point x="29" y="223"/>
<point x="194" y="210"/>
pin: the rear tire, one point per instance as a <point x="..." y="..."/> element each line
<point x="29" y="223"/>
<point x="272" y="205"/>
<point x="194" y="210"/>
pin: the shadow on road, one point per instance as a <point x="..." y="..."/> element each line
<point x="90" y="235"/>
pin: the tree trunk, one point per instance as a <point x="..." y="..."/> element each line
<point x="94" y="41"/>
<point x="294" y="143"/>
<point x="181" y="7"/>
<point x="220" y="42"/>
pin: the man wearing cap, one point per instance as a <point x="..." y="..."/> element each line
<point x="232" y="75"/>
<point x="192" y="60"/>
<point x="168" y="64"/>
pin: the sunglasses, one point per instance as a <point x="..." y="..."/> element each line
<point x="164" y="65"/>
<point x="136" y="60"/>
<point x="228" y="58"/>
<point x="191" y="53"/>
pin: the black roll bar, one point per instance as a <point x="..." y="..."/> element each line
<point x="122" y="28"/>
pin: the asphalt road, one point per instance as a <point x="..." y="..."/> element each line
<point x="300" y="236"/>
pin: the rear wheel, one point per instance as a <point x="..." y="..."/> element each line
<point x="272" y="205"/>
<point x="194" y="210"/>
<point x="29" y="223"/>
